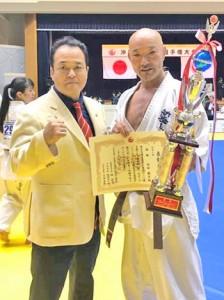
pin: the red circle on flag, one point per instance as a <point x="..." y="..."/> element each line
<point x="119" y="67"/>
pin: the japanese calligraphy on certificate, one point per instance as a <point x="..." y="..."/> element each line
<point x="121" y="163"/>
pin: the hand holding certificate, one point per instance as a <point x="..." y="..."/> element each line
<point x="121" y="163"/>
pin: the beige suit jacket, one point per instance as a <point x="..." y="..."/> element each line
<point x="62" y="207"/>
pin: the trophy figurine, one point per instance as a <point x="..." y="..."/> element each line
<point x="165" y="195"/>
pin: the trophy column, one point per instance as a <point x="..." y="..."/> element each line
<point x="164" y="168"/>
<point x="182" y="172"/>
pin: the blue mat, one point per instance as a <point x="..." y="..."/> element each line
<point x="211" y="236"/>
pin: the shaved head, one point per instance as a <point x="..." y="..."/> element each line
<point x="146" y="33"/>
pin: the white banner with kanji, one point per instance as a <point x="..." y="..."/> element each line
<point x="116" y="64"/>
<point x="179" y="50"/>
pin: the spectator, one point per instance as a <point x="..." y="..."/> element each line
<point x="210" y="106"/>
<point x="220" y="87"/>
<point x="15" y="95"/>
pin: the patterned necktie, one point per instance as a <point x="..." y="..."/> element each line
<point x="82" y="121"/>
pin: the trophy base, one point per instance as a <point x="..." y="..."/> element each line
<point x="163" y="202"/>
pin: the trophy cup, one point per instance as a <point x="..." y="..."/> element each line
<point x="165" y="195"/>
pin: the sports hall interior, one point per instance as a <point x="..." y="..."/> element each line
<point x="32" y="26"/>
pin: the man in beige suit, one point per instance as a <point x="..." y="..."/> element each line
<point x="48" y="145"/>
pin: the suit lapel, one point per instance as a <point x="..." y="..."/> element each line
<point x="60" y="111"/>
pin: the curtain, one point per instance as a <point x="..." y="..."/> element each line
<point x="44" y="80"/>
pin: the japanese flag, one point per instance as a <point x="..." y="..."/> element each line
<point x="206" y="74"/>
<point x="116" y="64"/>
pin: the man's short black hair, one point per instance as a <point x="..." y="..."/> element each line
<point x="71" y="42"/>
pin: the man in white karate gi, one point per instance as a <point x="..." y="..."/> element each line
<point x="174" y="272"/>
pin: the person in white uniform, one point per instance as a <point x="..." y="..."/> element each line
<point x="16" y="94"/>
<point x="174" y="272"/>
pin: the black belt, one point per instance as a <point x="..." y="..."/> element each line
<point x="116" y="211"/>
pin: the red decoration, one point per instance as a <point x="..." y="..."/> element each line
<point x="120" y="67"/>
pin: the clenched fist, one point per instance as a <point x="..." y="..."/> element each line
<point x="54" y="130"/>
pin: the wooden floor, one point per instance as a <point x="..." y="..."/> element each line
<point x="15" y="266"/>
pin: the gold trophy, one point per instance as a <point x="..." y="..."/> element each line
<point x="165" y="195"/>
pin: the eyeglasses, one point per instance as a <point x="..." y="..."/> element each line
<point x="66" y="70"/>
